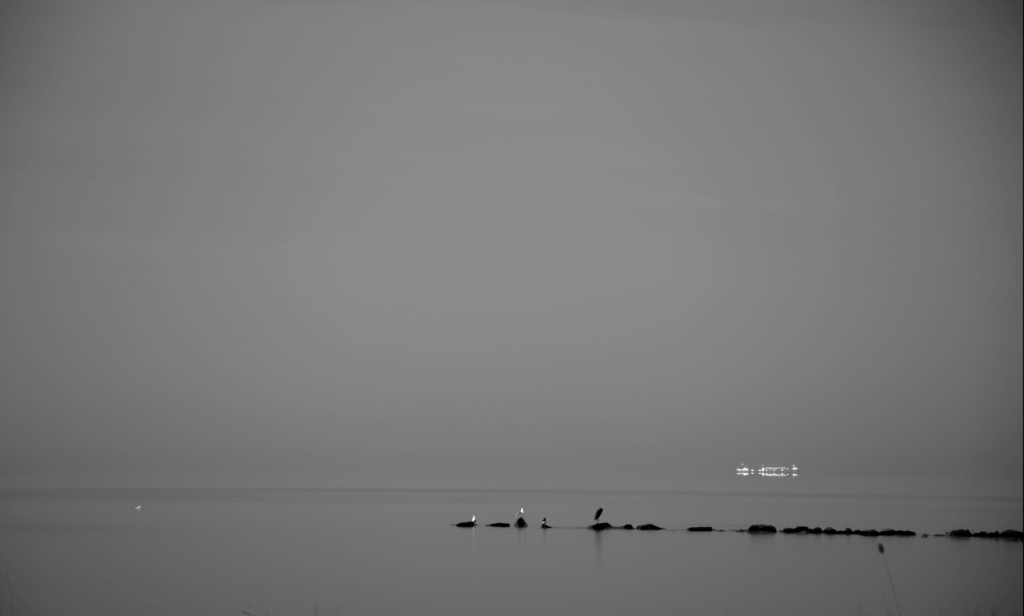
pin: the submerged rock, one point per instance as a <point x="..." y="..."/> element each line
<point x="761" y="528"/>
<point x="600" y="526"/>
<point x="700" y="529"/>
<point x="649" y="527"/>
<point x="521" y="523"/>
<point x="961" y="532"/>
<point x="545" y="525"/>
<point x="500" y="525"/>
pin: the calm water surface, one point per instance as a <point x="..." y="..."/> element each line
<point x="395" y="551"/>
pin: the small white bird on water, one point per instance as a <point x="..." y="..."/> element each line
<point x="138" y="507"/>
<point x="521" y="511"/>
<point x="473" y="519"/>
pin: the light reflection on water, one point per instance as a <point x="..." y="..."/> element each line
<point x="210" y="552"/>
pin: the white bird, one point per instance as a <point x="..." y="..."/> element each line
<point x="521" y="511"/>
<point x="138" y="507"/>
<point x="473" y="519"/>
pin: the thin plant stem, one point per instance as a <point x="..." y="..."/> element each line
<point x="334" y="547"/>
<point x="10" y="591"/>
<point x="896" y="599"/>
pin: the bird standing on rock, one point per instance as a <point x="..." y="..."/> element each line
<point x="597" y="516"/>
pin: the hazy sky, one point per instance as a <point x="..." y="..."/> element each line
<point x="515" y="243"/>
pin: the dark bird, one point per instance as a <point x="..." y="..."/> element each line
<point x="597" y="516"/>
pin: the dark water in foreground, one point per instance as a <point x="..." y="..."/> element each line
<point x="395" y="551"/>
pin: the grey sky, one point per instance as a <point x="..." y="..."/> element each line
<point x="509" y="242"/>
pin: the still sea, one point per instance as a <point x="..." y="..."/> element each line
<point x="380" y="551"/>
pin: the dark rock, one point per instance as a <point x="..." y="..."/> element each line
<point x="790" y="531"/>
<point x="830" y="531"/>
<point x="500" y="525"/>
<point x="1012" y="534"/>
<point x="924" y="536"/>
<point x="466" y="524"/>
<point x="649" y="527"/>
<point x="815" y="531"/>
<point x="600" y="526"/>
<point x="887" y="532"/>
<point x="866" y="533"/>
<point x="847" y="531"/>
<point x="905" y="533"/>
<point x="544" y="525"/>
<point x="700" y="529"/>
<point x="960" y="532"/>
<point x="521" y="523"/>
<point x="761" y="528"/>
<point x="627" y="527"/>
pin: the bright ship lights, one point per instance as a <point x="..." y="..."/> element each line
<point x="768" y="471"/>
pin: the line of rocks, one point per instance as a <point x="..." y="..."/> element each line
<point x="1012" y="535"/>
<point x="607" y="526"/>
<point x="1015" y="535"/>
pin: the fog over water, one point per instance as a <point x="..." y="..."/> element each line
<point x="510" y="244"/>
<point x="408" y="261"/>
<point x="396" y="552"/>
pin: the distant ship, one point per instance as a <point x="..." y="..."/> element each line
<point x="768" y="471"/>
